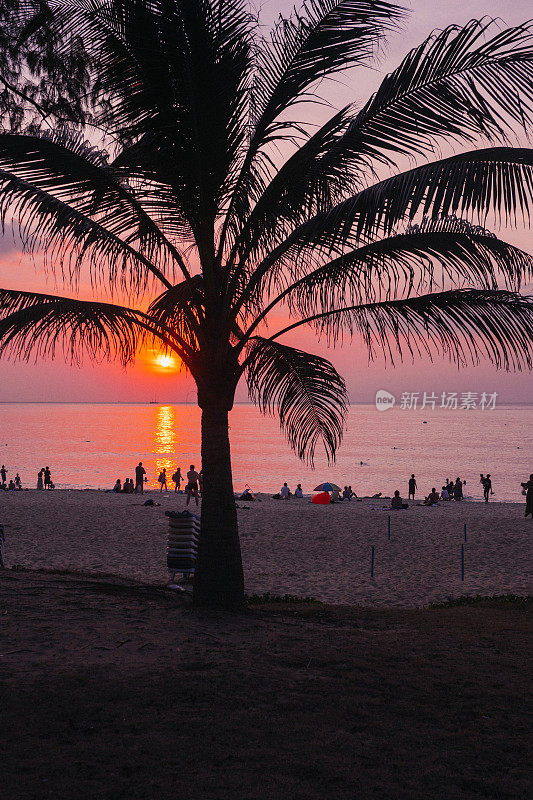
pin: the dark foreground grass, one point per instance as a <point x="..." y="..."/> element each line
<point x="117" y="694"/>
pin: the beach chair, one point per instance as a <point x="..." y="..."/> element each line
<point x="182" y="544"/>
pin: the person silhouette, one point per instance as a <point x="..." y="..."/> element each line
<point x="140" y="472"/>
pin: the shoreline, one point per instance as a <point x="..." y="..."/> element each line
<point x="467" y="499"/>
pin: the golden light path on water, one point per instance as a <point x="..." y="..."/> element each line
<point x="165" y="439"/>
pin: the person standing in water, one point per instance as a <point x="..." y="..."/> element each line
<point x="487" y="487"/>
<point x="412" y="487"/>
<point x="3" y="474"/>
<point x="47" y="477"/>
<point x="40" y="484"/>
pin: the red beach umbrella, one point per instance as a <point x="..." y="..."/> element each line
<point x="321" y="499"/>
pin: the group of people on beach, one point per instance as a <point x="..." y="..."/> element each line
<point x="450" y="491"/>
<point x="193" y="487"/>
<point x="44" y="480"/>
<point x="12" y="485"/>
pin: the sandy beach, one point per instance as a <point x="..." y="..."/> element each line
<point x="288" y="547"/>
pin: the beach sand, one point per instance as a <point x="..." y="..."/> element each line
<point x="288" y="547"/>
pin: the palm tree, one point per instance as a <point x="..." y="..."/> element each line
<point x="154" y="144"/>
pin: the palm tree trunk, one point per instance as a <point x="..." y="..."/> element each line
<point x="218" y="580"/>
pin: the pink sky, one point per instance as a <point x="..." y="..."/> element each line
<point x="56" y="381"/>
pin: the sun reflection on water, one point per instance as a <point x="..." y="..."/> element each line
<point x="165" y="439"/>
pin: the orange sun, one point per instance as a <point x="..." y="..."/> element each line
<point x="165" y="361"/>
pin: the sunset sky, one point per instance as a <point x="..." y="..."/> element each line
<point x="151" y="380"/>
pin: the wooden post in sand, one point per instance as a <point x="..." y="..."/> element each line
<point x="388" y="531"/>
<point x="465" y="531"/>
<point x="462" y="562"/>
<point x="372" y="563"/>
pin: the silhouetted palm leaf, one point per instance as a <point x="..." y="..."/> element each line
<point x="457" y="85"/>
<point x="464" y="324"/>
<point x="65" y="165"/>
<point x="305" y="390"/>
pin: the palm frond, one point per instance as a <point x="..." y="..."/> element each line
<point x="322" y="38"/>
<point x="37" y="325"/>
<point x="177" y="74"/>
<point x="463" y="324"/>
<point x="319" y="40"/>
<point x="71" y="239"/>
<point x="492" y="180"/>
<point x="64" y="164"/>
<point x="305" y="390"/>
<point x="459" y="84"/>
<point x="181" y="309"/>
<point x="431" y="255"/>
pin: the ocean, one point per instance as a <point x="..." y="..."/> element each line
<point x="91" y="445"/>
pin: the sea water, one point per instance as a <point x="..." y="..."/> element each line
<point x="91" y="445"/>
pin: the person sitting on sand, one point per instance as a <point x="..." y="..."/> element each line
<point x="285" y="492"/>
<point x="140" y="472"/>
<point x="118" y="486"/>
<point x="412" y="487"/>
<point x="352" y="493"/>
<point x="162" y="480"/>
<point x="528" y="489"/>
<point x="397" y="501"/>
<point x="177" y="478"/>
<point x="11" y="486"/>
<point x="432" y="499"/>
<point x="298" y="492"/>
<point x="444" y="495"/>
<point x="191" y="489"/>
<point x="346" y="494"/>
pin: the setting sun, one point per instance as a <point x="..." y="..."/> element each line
<point x="165" y="361"/>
